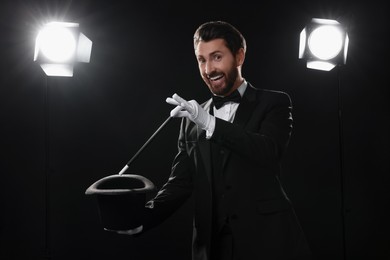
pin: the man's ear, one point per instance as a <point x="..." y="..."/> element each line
<point x="240" y="57"/>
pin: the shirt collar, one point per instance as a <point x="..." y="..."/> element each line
<point x="241" y="89"/>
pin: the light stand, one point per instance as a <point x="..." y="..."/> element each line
<point x="47" y="169"/>
<point x="341" y="164"/>
<point x="58" y="46"/>
<point x="324" y="46"/>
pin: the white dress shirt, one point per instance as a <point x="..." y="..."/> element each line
<point x="227" y="112"/>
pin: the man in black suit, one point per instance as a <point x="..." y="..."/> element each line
<point x="229" y="160"/>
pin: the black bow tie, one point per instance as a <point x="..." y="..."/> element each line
<point x="233" y="97"/>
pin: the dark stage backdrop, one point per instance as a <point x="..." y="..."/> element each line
<point x="142" y="54"/>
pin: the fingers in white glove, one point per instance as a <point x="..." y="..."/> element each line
<point x="176" y="112"/>
<point x="172" y="101"/>
<point x="187" y="105"/>
<point x="177" y="109"/>
<point x="190" y="109"/>
<point x="179" y="99"/>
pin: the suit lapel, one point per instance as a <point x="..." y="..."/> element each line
<point x="243" y="114"/>
<point x="244" y="110"/>
<point x="204" y="145"/>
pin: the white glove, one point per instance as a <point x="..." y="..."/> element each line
<point x="190" y="109"/>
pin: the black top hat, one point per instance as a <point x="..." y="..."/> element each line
<point x="121" y="200"/>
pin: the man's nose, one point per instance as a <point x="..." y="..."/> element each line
<point x="208" y="68"/>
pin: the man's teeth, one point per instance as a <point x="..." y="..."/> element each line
<point x="216" y="77"/>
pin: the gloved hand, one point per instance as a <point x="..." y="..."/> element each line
<point x="190" y="109"/>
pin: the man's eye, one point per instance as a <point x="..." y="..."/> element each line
<point x="217" y="57"/>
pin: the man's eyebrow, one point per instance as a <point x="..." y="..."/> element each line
<point x="210" y="54"/>
<point x="215" y="52"/>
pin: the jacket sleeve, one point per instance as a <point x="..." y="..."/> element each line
<point x="264" y="139"/>
<point x="175" y="191"/>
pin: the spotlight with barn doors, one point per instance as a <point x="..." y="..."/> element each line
<point x="323" y="44"/>
<point x="59" y="45"/>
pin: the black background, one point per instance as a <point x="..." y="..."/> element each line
<point x="142" y="53"/>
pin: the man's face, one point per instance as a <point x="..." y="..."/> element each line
<point x="218" y="67"/>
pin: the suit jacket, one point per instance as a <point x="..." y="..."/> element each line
<point x="261" y="217"/>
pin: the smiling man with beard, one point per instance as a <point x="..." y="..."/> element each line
<point x="229" y="153"/>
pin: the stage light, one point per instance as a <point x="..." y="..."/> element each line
<point x="323" y="44"/>
<point x="58" y="46"/>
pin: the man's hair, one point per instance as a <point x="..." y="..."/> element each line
<point x="220" y="30"/>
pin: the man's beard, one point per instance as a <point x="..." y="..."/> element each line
<point x="231" y="77"/>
